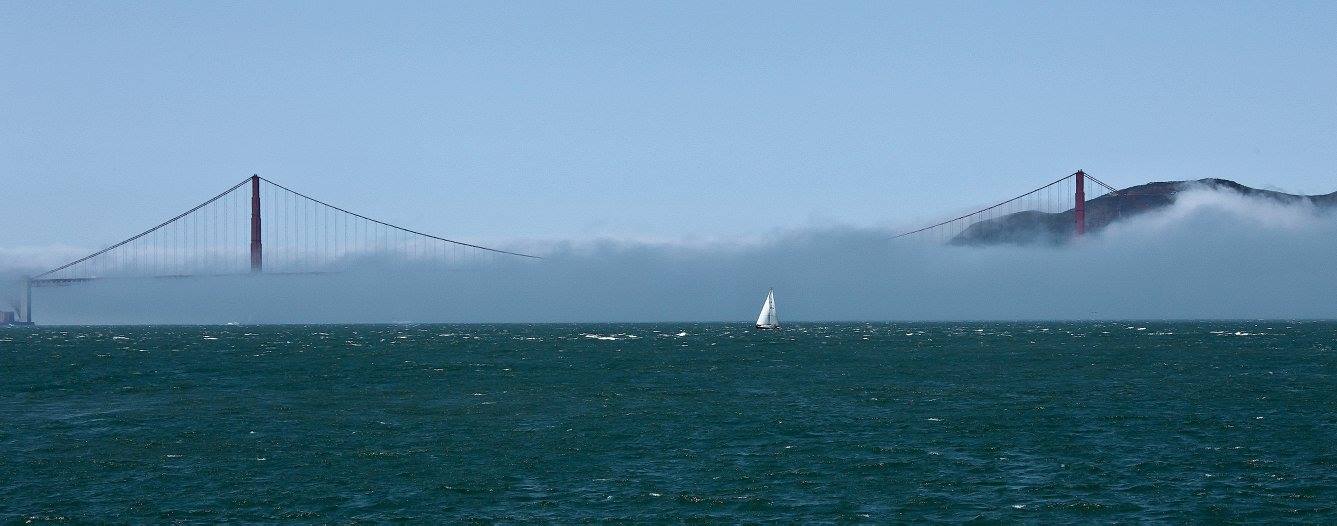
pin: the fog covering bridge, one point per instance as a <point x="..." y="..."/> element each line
<point x="1053" y="213"/>
<point x="261" y="227"/>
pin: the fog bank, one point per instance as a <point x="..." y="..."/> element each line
<point x="1211" y="255"/>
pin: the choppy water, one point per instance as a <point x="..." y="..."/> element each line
<point x="1032" y="422"/>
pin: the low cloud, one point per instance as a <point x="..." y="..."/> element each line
<point x="1212" y="255"/>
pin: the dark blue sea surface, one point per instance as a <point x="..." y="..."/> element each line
<point x="849" y="422"/>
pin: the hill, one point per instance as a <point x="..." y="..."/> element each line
<point x="1032" y="227"/>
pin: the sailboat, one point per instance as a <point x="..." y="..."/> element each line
<point x="767" y="319"/>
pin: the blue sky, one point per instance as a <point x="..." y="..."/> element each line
<point x="500" y="121"/>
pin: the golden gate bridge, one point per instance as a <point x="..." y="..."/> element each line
<point x="258" y="226"/>
<point x="1057" y="210"/>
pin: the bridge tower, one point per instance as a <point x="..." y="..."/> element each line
<point x="1079" y="210"/>
<point x="257" y="250"/>
<point x="27" y="300"/>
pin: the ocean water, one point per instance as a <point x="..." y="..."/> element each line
<point x="842" y="422"/>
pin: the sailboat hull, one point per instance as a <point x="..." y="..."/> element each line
<point x="767" y="327"/>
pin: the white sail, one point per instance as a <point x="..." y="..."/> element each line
<point x="767" y="318"/>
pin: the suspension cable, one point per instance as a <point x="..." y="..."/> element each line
<point x="144" y="233"/>
<point x="1102" y="183"/>
<point x="1061" y="179"/>
<point x="397" y="227"/>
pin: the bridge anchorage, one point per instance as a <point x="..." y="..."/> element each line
<point x="1054" y="213"/>
<point x="259" y="227"/>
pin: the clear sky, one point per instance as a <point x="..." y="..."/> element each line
<point x="497" y="121"/>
